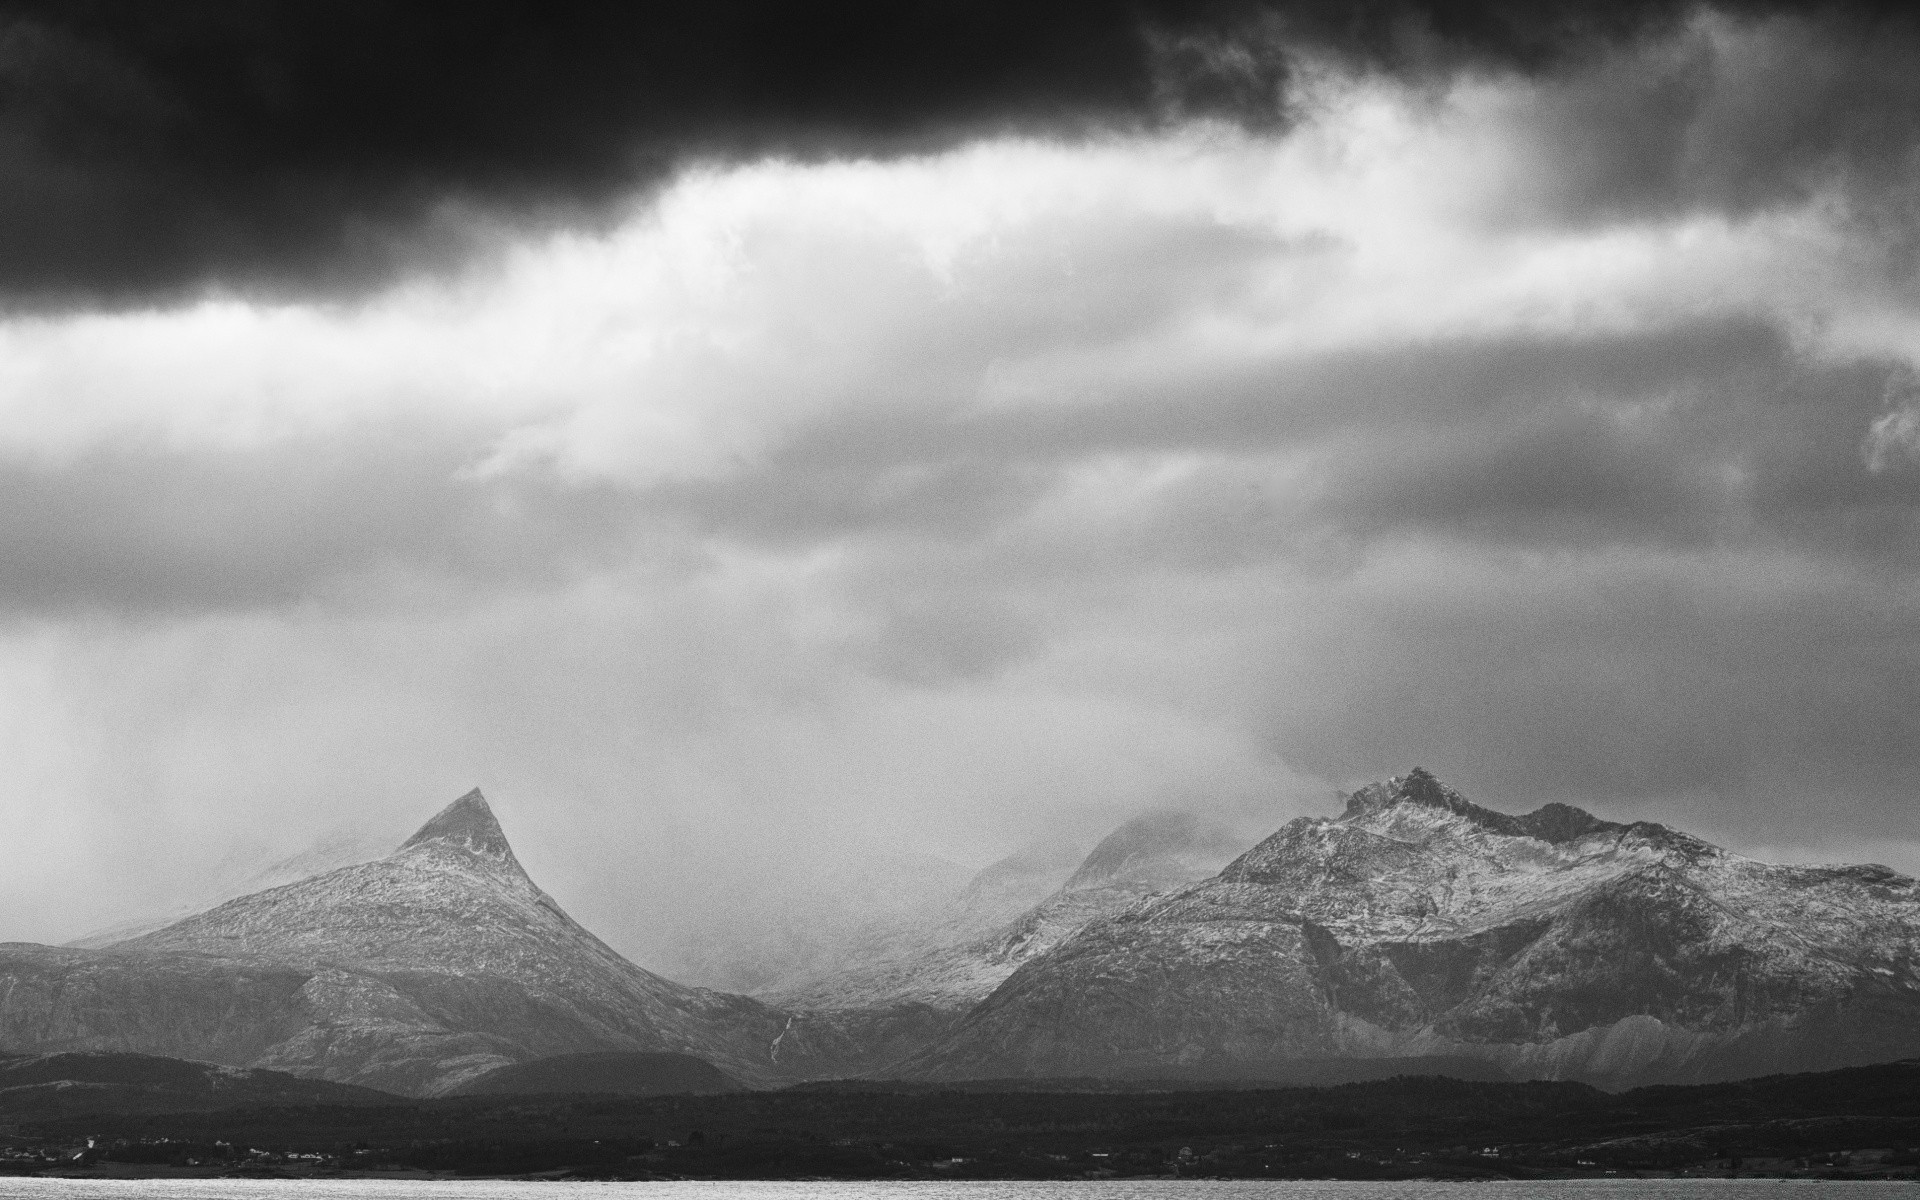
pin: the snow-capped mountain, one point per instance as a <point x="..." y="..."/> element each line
<point x="411" y="973"/>
<point x="1552" y="945"/>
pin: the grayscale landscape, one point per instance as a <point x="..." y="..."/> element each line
<point x="1312" y="590"/>
<point x="1416" y="932"/>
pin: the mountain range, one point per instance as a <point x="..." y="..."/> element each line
<point x="1414" y="927"/>
<point x="1416" y="924"/>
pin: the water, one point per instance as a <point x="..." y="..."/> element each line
<point x="1115" y="1189"/>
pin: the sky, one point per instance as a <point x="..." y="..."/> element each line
<point x="747" y="440"/>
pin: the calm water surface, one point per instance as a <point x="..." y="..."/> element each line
<point x="1116" y="1189"/>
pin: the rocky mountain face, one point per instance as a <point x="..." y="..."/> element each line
<point x="1549" y="945"/>
<point x="412" y="973"/>
<point x="1012" y="911"/>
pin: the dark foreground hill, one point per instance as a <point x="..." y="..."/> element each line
<point x="633" y="1074"/>
<point x="1857" y="1122"/>
<point x="39" y="1086"/>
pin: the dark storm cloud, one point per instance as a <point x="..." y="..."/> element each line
<point x="1731" y="117"/>
<point x="153" y="149"/>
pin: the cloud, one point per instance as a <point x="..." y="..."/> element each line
<point x="126" y="528"/>
<point x="245" y="146"/>
<point x="156" y="154"/>
<point x="1894" y="434"/>
<point x="1732" y="113"/>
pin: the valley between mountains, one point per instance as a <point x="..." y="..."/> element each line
<point x="1415" y="932"/>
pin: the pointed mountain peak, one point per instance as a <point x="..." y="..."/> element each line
<point x="1418" y="786"/>
<point x="1558" y="822"/>
<point x="466" y="824"/>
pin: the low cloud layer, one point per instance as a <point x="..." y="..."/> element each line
<point x="1541" y="416"/>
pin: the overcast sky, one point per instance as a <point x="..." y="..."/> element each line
<point x="732" y="435"/>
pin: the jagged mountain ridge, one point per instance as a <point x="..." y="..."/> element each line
<point x="1416" y="923"/>
<point x="412" y="973"/>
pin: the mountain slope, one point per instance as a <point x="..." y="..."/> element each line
<point x="1553" y="945"/>
<point x="412" y="973"/>
<point x="956" y="962"/>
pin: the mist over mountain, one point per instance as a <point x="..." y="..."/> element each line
<point x="1007" y="887"/>
<point x="237" y="876"/>
<point x="757" y="930"/>
<point x="956" y="959"/>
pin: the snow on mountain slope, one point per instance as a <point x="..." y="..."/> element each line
<point x="1553" y="945"/>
